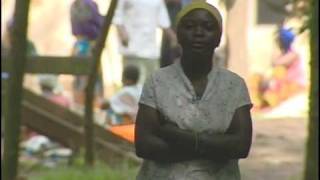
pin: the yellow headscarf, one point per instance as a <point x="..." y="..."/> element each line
<point x="200" y="5"/>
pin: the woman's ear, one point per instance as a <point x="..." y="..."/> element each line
<point x="217" y="41"/>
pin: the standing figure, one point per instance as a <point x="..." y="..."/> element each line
<point x="137" y="22"/>
<point x="194" y="118"/>
<point x="86" y="24"/>
<point x="168" y="53"/>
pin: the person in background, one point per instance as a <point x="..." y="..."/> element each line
<point x="86" y="26"/>
<point x="170" y="54"/>
<point x="6" y="46"/>
<point x="194" y="119"/>
<point x="6" y="41"/>
<point x="137" y="22"/>
<point x="50" y="90"/>
<point x="33" y="142"/>
<point x="123" y="106"/>
<point x="288" y="76"/>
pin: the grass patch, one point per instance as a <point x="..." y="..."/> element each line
<point x="100" y="171"/>
<point x="35" y="170"/>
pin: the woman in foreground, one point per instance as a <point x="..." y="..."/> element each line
<point x="194" y="118"/>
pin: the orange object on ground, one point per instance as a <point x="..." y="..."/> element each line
<point x="124" y="131"/>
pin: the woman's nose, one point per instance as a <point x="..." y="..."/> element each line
<point x="198" y="31"/>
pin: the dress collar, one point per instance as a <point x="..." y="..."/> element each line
<point x="212" y="81"/>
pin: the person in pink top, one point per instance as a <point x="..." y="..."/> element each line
<point x="288" y="76"/>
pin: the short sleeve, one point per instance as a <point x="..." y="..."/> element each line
<point x="148" y="93"/>
<point x="163" y="16"/>
<point x="242" y="95"/>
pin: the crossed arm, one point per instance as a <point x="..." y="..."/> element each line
<point x="159" y="140"/>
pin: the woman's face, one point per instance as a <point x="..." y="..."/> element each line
<point x="199" y="32"/>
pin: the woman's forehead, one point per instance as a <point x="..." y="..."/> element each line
<point x="199" y="15"/>
<point x="199" y="5"/>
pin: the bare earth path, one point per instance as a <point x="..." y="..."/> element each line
<point x="277" y="152"/>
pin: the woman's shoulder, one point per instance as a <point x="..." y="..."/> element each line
<point x="229" y="76"/>
<point x="166" y="72"/>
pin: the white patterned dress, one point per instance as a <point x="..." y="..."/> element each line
<point x="171" y="92"/>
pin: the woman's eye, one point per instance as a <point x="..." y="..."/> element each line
<point x="209" y="26"/>
<point x="188" y="25"/>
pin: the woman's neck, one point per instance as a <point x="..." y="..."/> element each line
<point x="196" y="67"/>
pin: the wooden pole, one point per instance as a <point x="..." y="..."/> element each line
<point x="312" y="150"/>
<point x="97" y="51"/>
<point x="18" y="52"/>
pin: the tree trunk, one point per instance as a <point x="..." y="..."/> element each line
<point x="312" y="151"/>
<point x="18" y="52"/>
<point x="97" y="51"/>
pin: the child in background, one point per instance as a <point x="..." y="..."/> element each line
<point x="49" y="88"/>
<point x="123" y="106"/>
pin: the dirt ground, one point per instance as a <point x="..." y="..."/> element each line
<point x="277" y="152"/>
